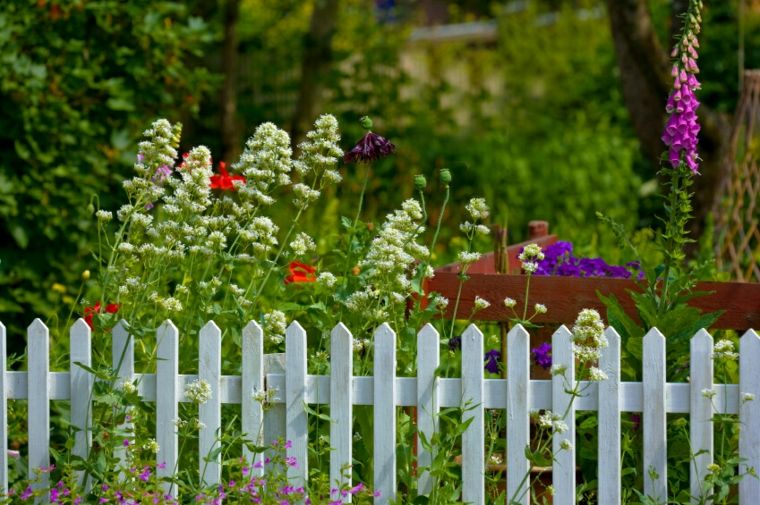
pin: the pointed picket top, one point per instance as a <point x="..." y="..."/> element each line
<point x="37" y="327"/>
<point x="252" y="328"/>
<point x="563" y="331"/>
<point x="654" y="334"/>
<point x="80" y="326"/>
<point x="294" y="329"/>
<point x="517" y="331"/>
<point x="340" y="330"/>
<point x="703" y="335"/>
<point x="120" y="329"/>
<point x="167" y="326"/>
<point x="384" y="331"/>
<point x="750" y="336"/>
<point x="612" y="369"/>
<point x="472" y="332"/>
<point x="428" y="332"/>
<point x="209" y="329"/>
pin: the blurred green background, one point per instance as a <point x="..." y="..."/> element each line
<point x="521" y="99"/>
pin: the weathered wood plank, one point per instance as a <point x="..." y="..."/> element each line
<point x="518" y="414"/>
<point x="341" y="408"/>
<point x="252" y="409"/>
<point x="654" y="418"/>
<point x="210" y="412"/>
<point x="428" y="360"/>
<point x="384" y="421"/>
<point x="749" y="416"/>
<point x="563" y="470"/>
<point x="38" y="424"/>
<point x="473" y="440"/>
<point x="167" y="401"/>
<point x="700" y="418"/>
<point x="296" y="428"/>
<point x="609" y="423"/>
<point x="81" y="387"/>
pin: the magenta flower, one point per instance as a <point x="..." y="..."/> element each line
<point x="369" y="148"/>
<point x="492" y="359"/>
<point x="542" y="355"/>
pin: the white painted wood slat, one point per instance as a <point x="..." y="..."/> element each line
<point x="3" y="412"/>
<point x="609" y="423"/>
<point x="38" y="352"/>
<point x="654" y="418"/>
<point x="81" y="387"/>
<point x="341" y="408"/>
<point x="384" y="421"/>
<point x="749" y="416"/>
<point x="563" y="470"/>
<point x="700" y="418"/>
<point x="167" y="401"/>
<point x="518" y="414"/>
<point x="123" y="364"/>
<point x="210" y="412"/>
<point x="252" y="410"/>
<point x="473" y="445"/>
<point x="296" y="428"/>
<point x="428" y="361"/>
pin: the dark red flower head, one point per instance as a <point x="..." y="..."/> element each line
<point x="300" y="272"/>
<point x="89" y="312"/>
<point x="371" y="147"/>
<point x="224" y="180"/>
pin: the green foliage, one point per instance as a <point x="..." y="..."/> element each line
<point x="77" y="81"/>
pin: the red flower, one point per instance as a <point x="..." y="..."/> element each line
<point x="224" y="180"/>
<point x="89" y="312"/>
<point x="300" y="272"/>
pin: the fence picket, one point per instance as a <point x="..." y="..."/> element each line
<point x="123" y="363"/>
<point x="563" y="470"/>
<point x="252" y="410"/>
<point x="654" y="417"/>
<point x="81" y="387"/>
<point x="167" y="401"/>
<point x="210" y="412"/>
<point x="609" y="422"/>
<point x="518" y="418"/>
<point x="384" y="422"/>
<point x="3" y="413"/>
<point x="296" y="428"/>
<point x="341" y="409"/>
<point x="473" y="440"/>
<point x="700" y="417"/>
<point x="38" y="347"/>
<point x="428" y="360"/>
<point x="749" y="416"/>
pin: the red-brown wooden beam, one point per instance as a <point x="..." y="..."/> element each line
<point x="566" y="296"/>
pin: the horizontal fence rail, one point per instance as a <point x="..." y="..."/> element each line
<point x="289" y="389"/>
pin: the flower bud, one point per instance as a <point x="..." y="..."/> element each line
<point x="419" y="182"/>
<point x="445" y="175"/>
<point x="86" y="275"/>
<point x="366" y="122"/>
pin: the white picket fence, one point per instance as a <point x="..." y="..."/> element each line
<point x="294" y="389"/>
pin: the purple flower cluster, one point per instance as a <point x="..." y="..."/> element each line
<point x="559" y="260"/>
<point x="492" y="359"/>
<point x="542" y="355"/>
<point x="682" y="127"/>
<point x="369" y="148"/>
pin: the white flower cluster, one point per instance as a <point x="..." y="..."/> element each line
<point x="302" y="244"/>
<point x="266" y="163"/>
<point x="481" y="303"/>
<point x="588" y="336"/>
<point x="724" y="349"/>
<point x="319" y="156"/>
<point x="477" y="209"/>
<point x="391" y="256"/>
<point x="327" y="279"/>
<point x="275" y="325"/>
<point x="530" y="256"/>
<point x="552" y="421"/>
<point x="199" y="391"/>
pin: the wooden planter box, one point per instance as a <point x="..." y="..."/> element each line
<point x="566" y="296"/>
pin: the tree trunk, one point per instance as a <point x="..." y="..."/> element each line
<point x="645" y="80"/>
<point x="230" y="132"/>
<point x="317" y="57"/>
